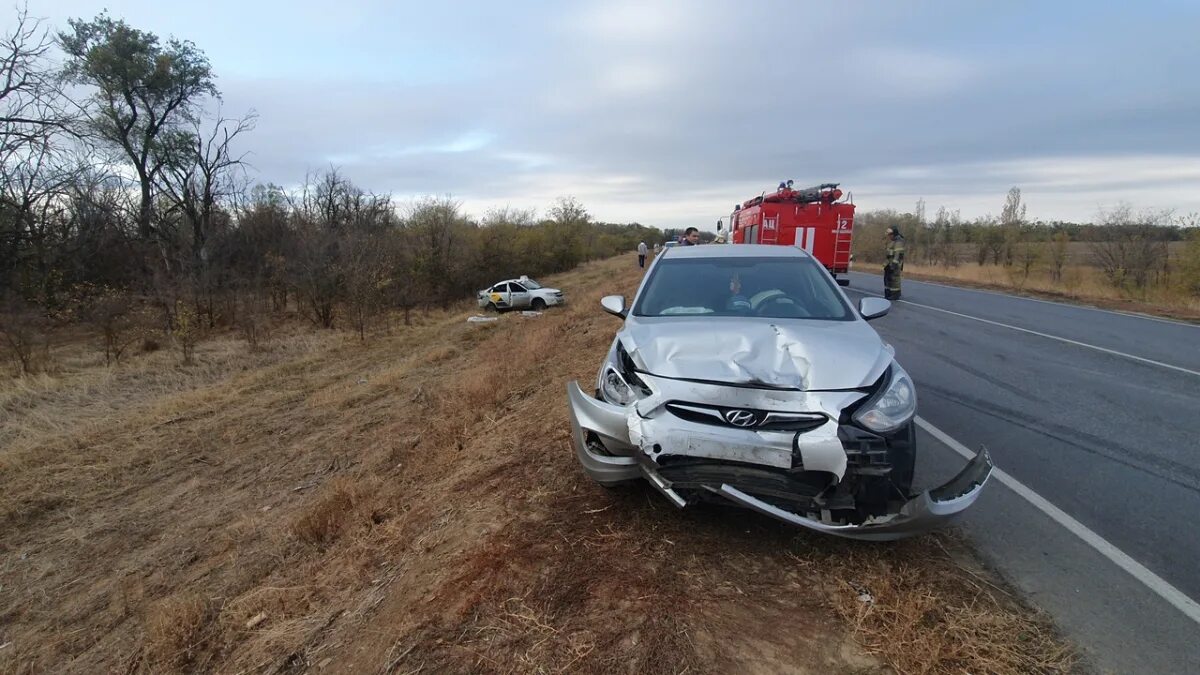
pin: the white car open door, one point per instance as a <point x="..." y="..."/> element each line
<point x="519" y="297"/>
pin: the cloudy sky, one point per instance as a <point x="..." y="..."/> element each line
<point x="669" y="113"/>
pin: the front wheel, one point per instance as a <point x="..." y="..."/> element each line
<point x="491" y="307"/>
<point x="538" y="304"/>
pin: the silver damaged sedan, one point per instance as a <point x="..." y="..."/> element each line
<point x="744" y="375"/>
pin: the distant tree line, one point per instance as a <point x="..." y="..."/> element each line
<point x="1131" y="248"/>
<point x="125" y="201"/>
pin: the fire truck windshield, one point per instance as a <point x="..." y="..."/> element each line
<point x="779" y="288"/>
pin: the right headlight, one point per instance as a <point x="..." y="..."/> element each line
<point x="892" y="406"/>
<point x="619" y="382"/>
<point x="614" y="388"/>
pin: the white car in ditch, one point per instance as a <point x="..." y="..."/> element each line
<point x="744" y="375"/>
<point x="522" y="293"/>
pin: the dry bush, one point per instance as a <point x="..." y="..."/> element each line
<point x="255" y="330"/>
<point x="440" y="354"/>
<point x="116" y="317"/>
<point x="176" y="630"/>
<point x="1134" y="252"/>
<point x="334" y="511"/>
<point x="1025" y="258"/>
<point x="25" y="336"/>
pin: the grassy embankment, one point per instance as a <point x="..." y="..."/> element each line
<point x="412" y="504"/>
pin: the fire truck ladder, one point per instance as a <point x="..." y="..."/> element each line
<point x="842" y="244"/>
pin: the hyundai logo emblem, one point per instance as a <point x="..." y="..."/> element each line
<point x="741" y="418"/>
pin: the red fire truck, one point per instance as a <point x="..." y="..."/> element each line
<point x="811" y="218"/>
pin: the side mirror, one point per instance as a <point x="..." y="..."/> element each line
<point x="718" y="226"/>
<point x="615" y="305"/>
<point x="873" y="308"/>
<point x="842" y="281"/>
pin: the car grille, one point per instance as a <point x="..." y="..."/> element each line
<point x="746" y="418"/>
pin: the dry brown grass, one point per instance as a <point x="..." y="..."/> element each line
<point x="339" y="506"/>
<point x="936" y="610"/>
<point x="175" y="631"/>
<point x="413" y="504"/>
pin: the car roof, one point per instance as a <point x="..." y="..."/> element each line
<point x="738" y="251"/>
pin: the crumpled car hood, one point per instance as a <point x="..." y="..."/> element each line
<point x="774" y="353"/>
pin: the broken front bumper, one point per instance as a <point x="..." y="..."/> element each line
<point x="602" y="442"/>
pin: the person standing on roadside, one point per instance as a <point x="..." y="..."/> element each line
<point x="691" y="237"/>
<point x="642" y="250"/>
<point x="894" y="265"/>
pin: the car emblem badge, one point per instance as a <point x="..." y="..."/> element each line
<point x="740" y="418"/>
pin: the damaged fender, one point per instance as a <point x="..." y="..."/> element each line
<point x="608" y="422"/>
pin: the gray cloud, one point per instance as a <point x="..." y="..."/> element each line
<point x="669" y="114"/>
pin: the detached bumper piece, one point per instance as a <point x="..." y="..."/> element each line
<point x="926" y="512"/>
<point x="602" y="444"/>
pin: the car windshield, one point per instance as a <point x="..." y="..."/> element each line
<point x="781" y="288"/>
<point x="530" y="284"/>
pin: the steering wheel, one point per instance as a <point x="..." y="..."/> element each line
<point x="781" y="306"/>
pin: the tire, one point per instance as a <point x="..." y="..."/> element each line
<point x="491" y="307"/>
<point x="538" y="305"/>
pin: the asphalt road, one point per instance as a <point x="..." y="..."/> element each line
<point x="1099" y="414"/>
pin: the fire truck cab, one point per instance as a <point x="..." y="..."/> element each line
<point x="811" y="218"/>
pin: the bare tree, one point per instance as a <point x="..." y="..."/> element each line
<point x="32" y="105"/>
<point x="36" y="123"/>
<point x="201" y="173"/>
<point x="1012" y="218"/>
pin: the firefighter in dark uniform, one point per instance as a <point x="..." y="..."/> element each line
<point x="895" y="264"/>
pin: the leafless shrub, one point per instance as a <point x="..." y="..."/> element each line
<point x="1135" y="248"/>
<point x="114" y="315"/>
<point x="1058" y="254"/>
<point x="24" y="334"/>
<point x="1026" y="256"/>
<point x="186" y="331"/>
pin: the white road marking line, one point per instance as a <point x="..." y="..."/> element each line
<point x="1106" y="350"/>
<point x="1131" y="315"/>
<point x="1160" y="586"/>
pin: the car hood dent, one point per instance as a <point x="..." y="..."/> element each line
<point x="780" y="354"/>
